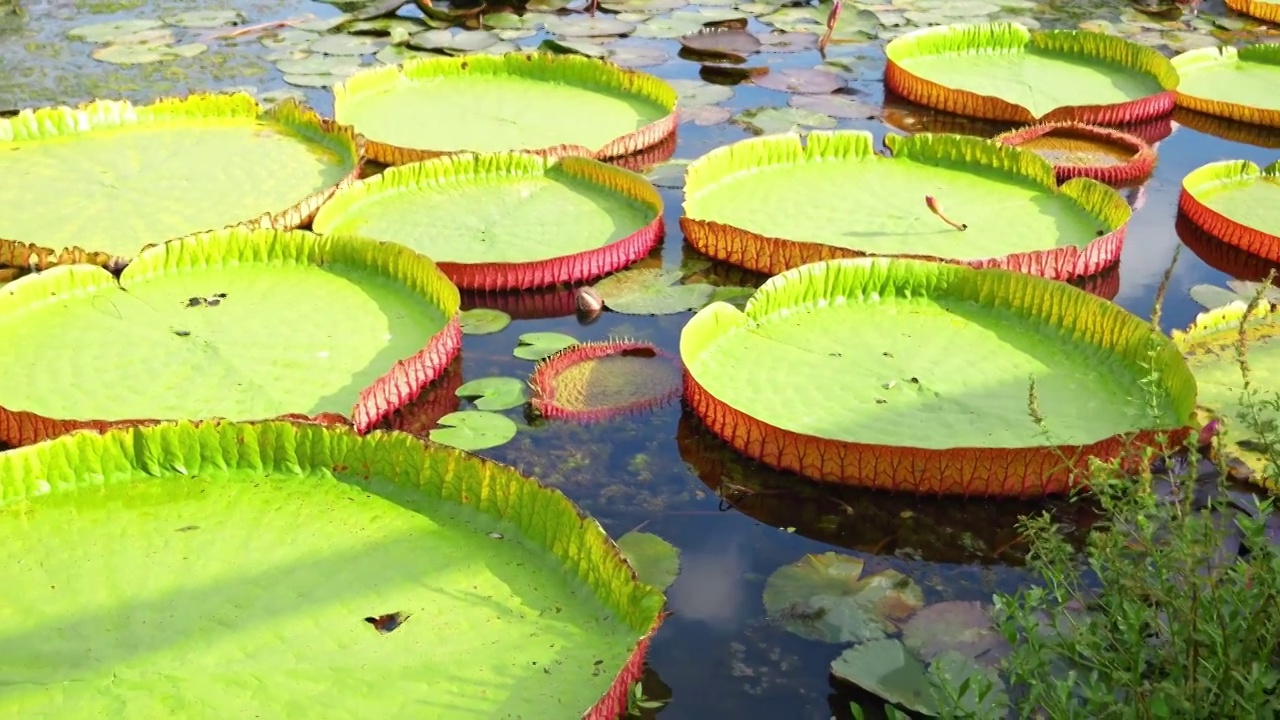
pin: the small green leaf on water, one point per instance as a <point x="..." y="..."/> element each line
<point x="656" y="561"/>
<point x="347" y="45"/>
<point x="316" y="81"/>
<point x="650" y="291"/>
<point x="567" y="47"/>
<point x="272" y="97"/>
<point x="108" y="31"/>
<point x="637" y="56"/>
<point x="206" y="19"/>
<point x="1212" y="296"/>
<point x="319" y="65"/>
<point x="188" y="49"/>
<point x="835" y="106"/>
<point x="289" y="38"/>
<point x="669" y="174"/>
<point x="693" y="93"/>
<point x="483" y="321"/>
<point x="132" y="54"/>
<point x="824" y="597"/>
<point x="539" y="345"/>
<point x="586" y="26"/>
<point x="885" y="668"/>
<point x="495" y="393"/>
<point x="769" y="121"/>
<point x="473" y="430"/>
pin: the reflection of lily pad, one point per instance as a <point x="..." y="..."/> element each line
<point x="594" y="381"/>
<point x="200" y="153"/>
<point x="656" y="561"/>
<point x="1003" y="71"/>
<point x="540" y="345"/>
<point x="237" y="324"/>
<point x="516" y="101"/>
<point x="473" y="430"/>
<point x="494" y="393"/>
<point x="824" y="597"/>
<point x="1239" y="84"/>
<point x="505" y="221"/>
<point x="651" y="291"/>
<point x="301" y="532"/>
<point x="954" y="626"/>
<point x="483" y="321"/>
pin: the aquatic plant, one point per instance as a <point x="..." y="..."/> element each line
<point x="594" y="381"/>
<point x="1238" y="83"/>
<point x="1078" y="150"/>
<point x="1236" y="202"/>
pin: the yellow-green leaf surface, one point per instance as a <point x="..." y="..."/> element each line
<point x="1248" y="76"/>
<point x="910" y="353"/>
<point x="1239" y="190"/>
<point x="1040" y="71"/>
<point x="227" y="570"/>
<point x="834" y="189"/>
<point x="114" y="177"/>
<point x="240" y="324"/>
<point x="517" y="101"/>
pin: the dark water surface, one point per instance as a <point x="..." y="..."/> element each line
<point x="734" y="521"/>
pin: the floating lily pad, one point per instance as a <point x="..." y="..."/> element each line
<point x="109" y="31"/>
<point x="473" y="430"/>
<point x="636" y="56"/>
<point x="137" y="54"/>
<point x="835" y="106"/>
<point x="1003" y="71"/>
<point x="886" y="669"/>
<point x="1210" y="344"/>
<point x="376" y="526"/>
<point x="1239" y="84"/>
<point x="774" y="120"/>
<point x="453" y="41"/>
<point x="518" y="101"/>
<point x="939" y="404"/>
<point x="202" y="19"/>
<point x="541" y="345"/>
<point x="495" y="393"/>
<point x="705" y="115"/>
<point x="801" y="80"/>
<point x="345" y="44"/>
<point x="76" y="191"/>
<point x="1211" y="297"/>
<point x="483" y="321"/>
<point x="586" y="26"/>
<point x="954" y="626"/>
<point x="1236" y="202"/>
<point x="694" y="93"/>
<point x="750" y="218"/>
<point x="1268" y="10"/>
<point x="319" y="65"/>
<point x="656" y="561"/>
<point x="504" y="221"/>
<point x="1078" y="150"/>
<point x="236" y="324"/>
<point x="722" y="41"/>
<point x="568" y="46"/>
<point x="651" y="291"/>
<point x="595" y="381"/>
<point x="825" y="597"/>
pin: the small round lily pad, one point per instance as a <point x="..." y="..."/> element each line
<point x="825" y="597"/>
<point x="473" y="430"/>
<point x="483" y="321"/>
<point x="651" y="291"/>
<point x="656" y="561"/>
<point x="539" y="345"/>
<point x="495" y="393"/>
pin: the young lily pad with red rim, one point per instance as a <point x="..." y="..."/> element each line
<point x="235" y="324"/>
<point x="545" y="103"/>
<point x="916" y="376"/>
<point x="1078" y="150"/>
<point x="377" y="525"/>
<point x="505" y="221"/>
<point x="773" y="203"/>
<point x="1239" y="84"/>
<point x="110" y="178"/>
<point x="598" y="380"/>
<point x="1236" y="202"/>
<point x="1003" y="71"/>
<point x="1210" y="344"/>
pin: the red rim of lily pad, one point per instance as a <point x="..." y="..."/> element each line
<point x="399" y="385"/>
<point x="1268" y="11"/>
<point x="352" y="205"/>
<point x="549" y="402"/>
<point x="420" y="415"/>
<point x="1246" y="133"/>
<point x="1105" y="284"/>
<point x="1140" y="157"/>
<point x="1220" y="256"/>
<point x="290" y="116"/>
<point x="543" y="66"/>
<point x="772" y="255"/>
<point x="1253" y="241"/>
<point x="1012" y="38"/>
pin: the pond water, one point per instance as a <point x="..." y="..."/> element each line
<point x="735" y="522"/>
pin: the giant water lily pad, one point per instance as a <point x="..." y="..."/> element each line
<point x="235" y="324"/>
<point x="203" y="561"/>
<point x="1078" y="150"/>
<point x="911" y="375"/>
<point x="1268" y="10"/>
<point x="1003" y="71"/>
<point x="1239" y="84"/>
<point x="594" y="381"/>
<point x="1236" y="202"/>
<point x="505" y="221"/>
<point x="109" y="178"/>
<point x="1211" y="344"/>
<point x="826" y="597"/>
<point x="551" y="104"/>
<point x="773" y="203"/>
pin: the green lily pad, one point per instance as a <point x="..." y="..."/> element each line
<point x="586" y="26"/>
<point x="1211" y="297"/>
<point x="495" y="393"/>
<point x="347" y="45"/>
<point x="473" y="430"/>
<point x="705" y="115"/>
<point x="237" y="324"/>
<point x="568" y="46"/>
<point x="955" y="626"/>
<point x="667" y="28"/>
<point x="73" y="181"/>
<point x="801" y="80"/>
<point x="132" y="54"/>
<point x="694" y="93"/>
<point x="290" y="38"/>
<point x="541" y="345"/>
<point x="834" y="106"/>
<point x="108" y="31"/>
<point x="637" y="56"/>
<point x="314" y="80"/>
<point x="453" y="41"/>
<point x="483" y="321"/>
<point x="387" y="547"/>
<point x="669" y="174"/>
<point x="774" y="120"/>
<point x="319" y="65"/>
<point x="514" y="101"/>
<point x="824" y="597"/>
<point x="650" y="291"/>
<point x="886" y="669"/>
<point x="1236" y="202"/>
<point x="505" y="221"/>
<point x="656" y="561"/>
<point x="1240" y="84"/>
<point x="202" y="19"/>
